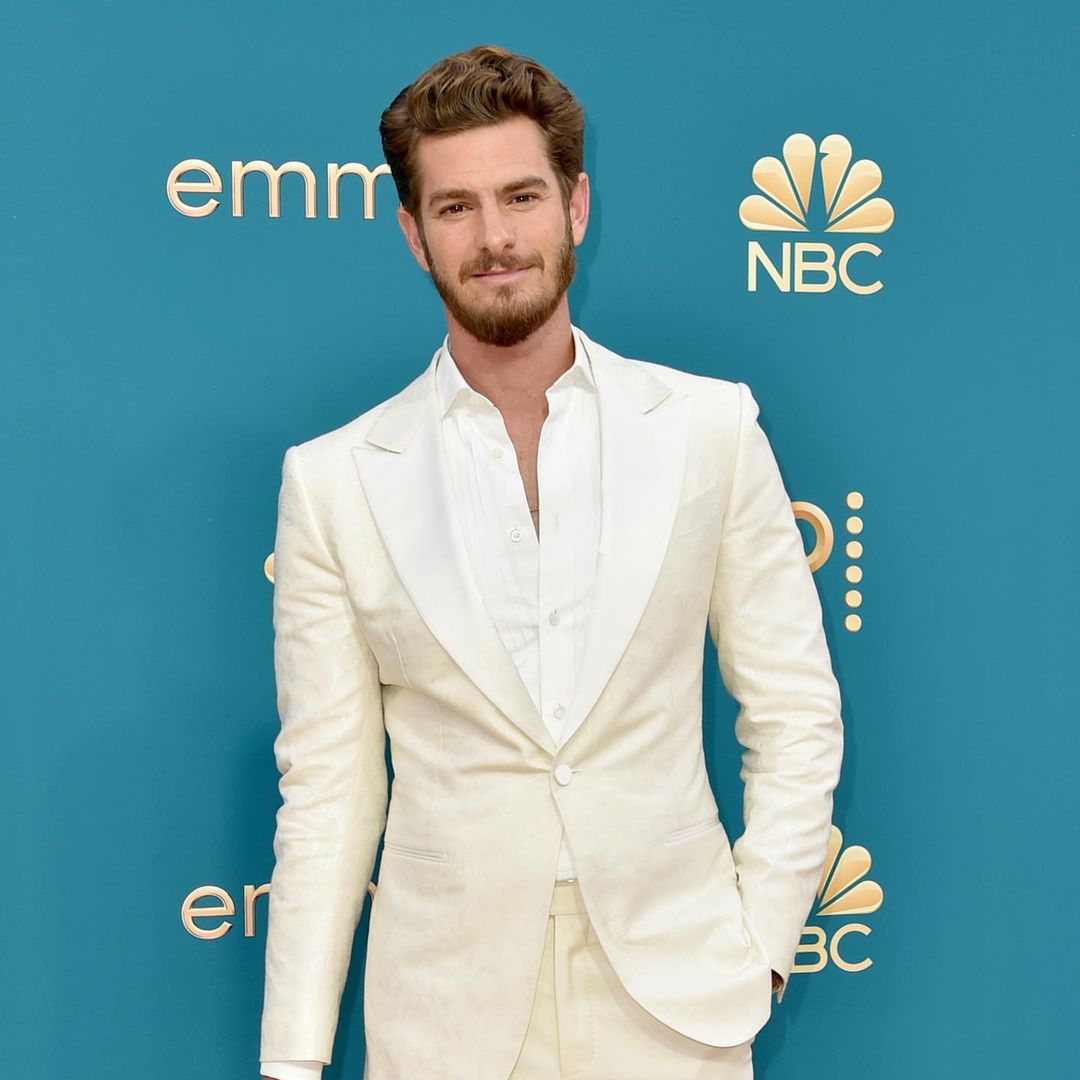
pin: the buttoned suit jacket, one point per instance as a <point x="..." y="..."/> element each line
<point x="380" y="631"/>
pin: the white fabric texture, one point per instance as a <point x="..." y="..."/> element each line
<point x="536" y="589"/>
<point x="292" y="1070"/>
<point x="380" y="626"/>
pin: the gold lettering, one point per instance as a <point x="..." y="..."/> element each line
<point x="854" y="286"/>
<point x="334" y="172"/>
<point x="834" y="947"/>
<point x="189" y="912"/>
<point x="273" y="176"/>
<point x="823" y="531"/>
<point x="820" y="266"/>
<point x="815" y="948"/>
<point x="251" y="894"/>
<point x="755" y="254"/>
<point x="174" y="186"/>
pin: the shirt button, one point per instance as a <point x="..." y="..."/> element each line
<point x="515" y="535"/>
<point x="553" y="618"/>
<point x="558" y="711"/>
<point x="496" y="452"/>
<point x="564" y="774"/>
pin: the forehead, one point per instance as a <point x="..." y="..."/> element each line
<point x="484" y="157"/>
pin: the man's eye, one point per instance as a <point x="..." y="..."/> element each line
<point x="452" y="206"/>
<point x="525" y="195"/>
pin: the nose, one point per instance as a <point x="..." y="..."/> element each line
<point x="494" y="229"/>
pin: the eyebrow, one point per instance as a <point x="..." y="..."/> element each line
<point x="465" y="193"/>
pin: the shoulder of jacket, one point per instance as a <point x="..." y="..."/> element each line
<point x="677" y="378"/>
<point x="714" y="391"/>
<point x="328" y="446"/>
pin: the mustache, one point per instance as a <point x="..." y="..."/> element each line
<point x="486" y="266"/>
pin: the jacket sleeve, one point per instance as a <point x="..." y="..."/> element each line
<point x="292" y="1070"/>
<point x="330" y="752"/>
<point x="765" y="620"/>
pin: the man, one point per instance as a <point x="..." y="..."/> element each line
<point x="508" y="568"/>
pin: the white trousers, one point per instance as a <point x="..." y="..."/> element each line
<point x="585" y="1026"/>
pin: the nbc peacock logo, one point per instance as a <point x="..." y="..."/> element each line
<point x="786" y="203"/>
<point x="844" y="890"/>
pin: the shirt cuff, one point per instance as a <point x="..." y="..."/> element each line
<point x="292" y="1070"/>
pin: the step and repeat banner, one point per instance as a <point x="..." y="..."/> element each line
<point x="867" y="215"/>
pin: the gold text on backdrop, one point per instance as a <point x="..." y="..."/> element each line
<point x="212" y="185"/>
<point x="783" y="205"/>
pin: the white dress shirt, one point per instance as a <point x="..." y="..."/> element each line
<point x="537" y="590"/>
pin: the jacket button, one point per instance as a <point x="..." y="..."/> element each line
<point x="564" y="774"/>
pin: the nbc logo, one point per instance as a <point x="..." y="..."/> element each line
<point x="844" y="889"/>
<point x="785" y="206"/>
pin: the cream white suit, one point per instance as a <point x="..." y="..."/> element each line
<point x="379" y="630"/>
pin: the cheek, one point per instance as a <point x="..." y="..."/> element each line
<point x="444" y="265"/>
<point x="441" y="249"/>
<point x="452" y="257"/>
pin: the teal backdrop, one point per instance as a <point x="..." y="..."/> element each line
<point x="156" y="365"/>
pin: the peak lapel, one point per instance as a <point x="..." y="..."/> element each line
<point x="404" y="473"/>
<point x="644" y="428"/>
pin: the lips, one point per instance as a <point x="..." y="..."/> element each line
<point x="503" y="272"/>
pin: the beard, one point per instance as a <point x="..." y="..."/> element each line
<point x="509" y="315"/>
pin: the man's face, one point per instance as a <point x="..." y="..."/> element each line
<point x="492" y="229"/>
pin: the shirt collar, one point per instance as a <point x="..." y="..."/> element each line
<point x="453" y="390"/>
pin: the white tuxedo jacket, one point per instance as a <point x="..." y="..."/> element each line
<point x="379" y="630"/>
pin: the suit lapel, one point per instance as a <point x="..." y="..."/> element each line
<point x="643" y="438"/>
<point x="403" y="469"/>
<point x="644" y="428"/>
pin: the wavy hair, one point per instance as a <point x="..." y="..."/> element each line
<point x="486" y="84"/>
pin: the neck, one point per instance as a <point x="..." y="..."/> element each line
<point x="515" y="377"/>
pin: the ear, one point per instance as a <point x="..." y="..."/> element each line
<point x="579" y="207"/>
<point x="412" y="236"/>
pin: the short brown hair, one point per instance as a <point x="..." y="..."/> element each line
<point x="486" y="84"/>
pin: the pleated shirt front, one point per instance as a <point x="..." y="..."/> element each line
<point x="537" y="590"/>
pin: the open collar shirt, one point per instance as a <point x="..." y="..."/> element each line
<point x="537" y="590"/>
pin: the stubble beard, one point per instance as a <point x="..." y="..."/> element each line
<point x="508" y="317"/>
